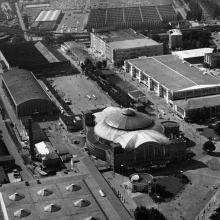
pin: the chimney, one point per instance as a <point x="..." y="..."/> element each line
<point x="31" y="141"/>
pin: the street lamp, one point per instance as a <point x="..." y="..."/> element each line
<point x="122" y="172"/>
<point x="158" y="199"/>
<point x="181" y="172"/>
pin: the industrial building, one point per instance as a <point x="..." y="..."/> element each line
<point x="212" y="59"/>
<point x="133" y="139"/>
<point x="119" y="45"/>
<point x="25" y="93"/>
<point x="175" y="38"/>
<point x="131" y="17"/>
<point x="46" y="20"/>
<point x="37" y="57"/>
<point x="195" y="56"/>
<point x="73" y="196"/>
<point x="177" y="81"/>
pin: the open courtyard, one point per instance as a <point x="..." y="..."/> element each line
<point x="83" y="93"/>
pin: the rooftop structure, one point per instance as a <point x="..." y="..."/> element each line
<point x="48" y="15"/>
<point x="131" y="17"/>
<point x="185" y="54"/>
<point x="133" y="43"/>
<point x="56" y="198"/>
<point x="175" y="32"/>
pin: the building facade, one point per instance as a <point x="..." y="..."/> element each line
<point x="212" y="59"/>
<point x="119" y="45"/>
<point x="182" y="85"/>
<point x="175" y="38"/>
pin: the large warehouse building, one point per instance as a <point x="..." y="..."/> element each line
<point x="37" y="57"/>
<point x="131" y="138"/>
<point x="25" y="93"/>
<point x="131" y="17"/>
<point x="183" y="86"/>
<point x="119" y="45"/>
<point x="46" y="20"/>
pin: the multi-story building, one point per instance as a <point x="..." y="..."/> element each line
<point x="175" y="38"/>
<point x="119" y="45"/>
<point x="213" y="59"/>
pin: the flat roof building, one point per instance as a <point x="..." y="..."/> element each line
<point x="118" y="45"/>
<point x="73" y="196"/>
<point x="173" y="78"/>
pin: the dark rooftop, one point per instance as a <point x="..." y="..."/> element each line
<point x="23" y="86"/>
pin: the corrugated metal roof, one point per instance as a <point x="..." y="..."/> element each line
<point x="23" y="86"/>
<point x="48" y="15"/>
<point x="195" y="103"/>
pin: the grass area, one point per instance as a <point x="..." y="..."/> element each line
<point x="168" y="187"/>
<point x="209" y="133"/>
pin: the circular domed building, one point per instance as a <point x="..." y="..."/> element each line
<point x="140" y="182"/>
<point x="129" y="138"/>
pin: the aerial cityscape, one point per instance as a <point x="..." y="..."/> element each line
<point x="110" y="110"/>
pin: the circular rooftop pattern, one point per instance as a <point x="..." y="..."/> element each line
<point x="128" y="120"/>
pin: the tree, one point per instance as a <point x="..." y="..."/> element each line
<point x="82" y="67"/>
<point x="216" y="128"/>
<point x="99" y="65"/>
<point x="104" y="63"/>
<point x="48" y="39"/>
<point x="156" y="37"/>
<point x="208" y="146"/>
<point x="142" y="213"/>
<point x="88" y="63"/>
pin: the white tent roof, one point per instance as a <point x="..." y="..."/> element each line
<point x="42" y="148"/>
<point x="45" y="192"/>
<point x="82" y="203"/>
<point x="103" y="114"/>
<point x="73" y="187"/>
<point x="16" y="197"/>
<point x="52" y="208"/>
<point x="21" y="213"/>
<point x="134" y="139"/>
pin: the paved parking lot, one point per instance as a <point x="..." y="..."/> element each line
<point x="78" y="89"/>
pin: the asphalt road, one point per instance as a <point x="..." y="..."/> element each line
<point x="13" y="151"/>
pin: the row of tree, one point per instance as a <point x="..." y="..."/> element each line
<point x="50" y="39"/>
<point x="142" y="213"/>
<point x="195" y="12"/>
<point x="212" y="7"/>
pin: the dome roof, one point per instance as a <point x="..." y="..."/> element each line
<point x="128" y="119"/>
<point x="135" y="178"/>
<point x="103" y="130"/>
<point x="134" y="139"/>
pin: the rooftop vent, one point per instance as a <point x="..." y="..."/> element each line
<point x="73" y="187"/>
<point x="45" y="192"/>
<point x="52" y="208"/>
<point x="21" y="213"/>
<point x="82" y="203"/>
<point x="16" y="197"/>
